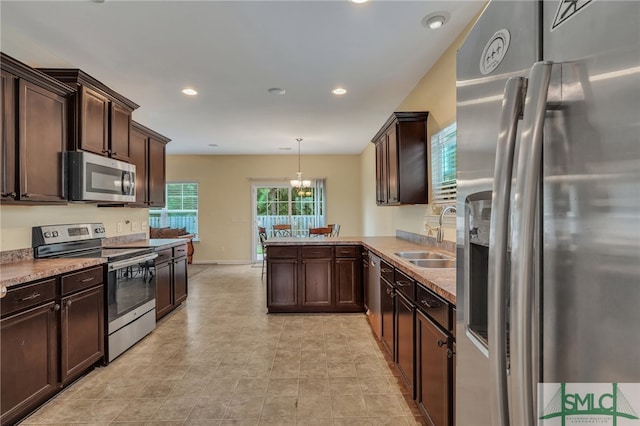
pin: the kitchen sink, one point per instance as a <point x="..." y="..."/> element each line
<point x="426" y="255"/>
<point x="434" y="263"/>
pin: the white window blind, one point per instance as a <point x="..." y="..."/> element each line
<point x="181" y="209"/>
<point x="443" y="165"/>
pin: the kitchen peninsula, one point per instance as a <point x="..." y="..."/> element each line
<point x="410" y="308"/>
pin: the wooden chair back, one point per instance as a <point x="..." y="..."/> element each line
<point x="326" y="231"/>
<point x="282" y="230"/>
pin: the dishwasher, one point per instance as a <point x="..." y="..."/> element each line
<point x="374" y="311"/>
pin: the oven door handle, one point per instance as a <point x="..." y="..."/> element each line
<point x="130" y="262"/>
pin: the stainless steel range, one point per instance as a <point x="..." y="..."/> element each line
<point x="130" y="294"/>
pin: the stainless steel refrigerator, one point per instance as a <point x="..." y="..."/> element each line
<point x="548" y="222"/>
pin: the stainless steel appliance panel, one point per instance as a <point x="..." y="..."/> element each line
<point x="591" y="169"/>
<point x="90" y="177"/>
<point x="479" y="101"/>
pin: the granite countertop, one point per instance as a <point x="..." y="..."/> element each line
<point x="441" y="280"/>
<point x="24" y="271"/>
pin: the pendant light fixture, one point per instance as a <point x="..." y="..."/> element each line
<point x="302" y="186"/>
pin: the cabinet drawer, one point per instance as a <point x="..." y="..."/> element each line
<point x="81" y="280"/>
<point x="316" y="252"/>
<point x="386" y="271"/>
<point x="280" y="252"/>
<point x="405" y="285"/>
<point x="164" y="255"/>
<point x="28" y="296"/>
<point x="180" y="251"/>
<point x="434" y="306"/>
<point x="347" y="251"/>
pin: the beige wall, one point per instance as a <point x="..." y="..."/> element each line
<point x="16" y="221"/>
<point x="225" y="228"/>
<point x="436" y="93"/>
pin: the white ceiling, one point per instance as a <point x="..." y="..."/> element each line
<point x="232" y="52"/>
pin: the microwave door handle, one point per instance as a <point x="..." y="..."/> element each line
<point x="498" y="237"/>
<point x="126" y="182"/>
<point x="522" y="256"/>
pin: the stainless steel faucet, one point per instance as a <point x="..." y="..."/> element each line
<point x="445" y="210"/>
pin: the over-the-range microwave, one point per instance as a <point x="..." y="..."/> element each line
<point x="90" y="177"/>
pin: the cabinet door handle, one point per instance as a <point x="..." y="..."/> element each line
<point x="106" y="151"/>
<point x="26" y="195"/>
<point x="386" y="270"/>
<point x="9" y="194"/>
<point x="402" y="283"/>
<point x="389" y="291"/>
<point x="441" y="343"/>
<point x="30" y="297"/>
<point x="56" y="307"/>
<point x="86" y="280"/>
<point x="3" y="291"/>
<point x="113" y="154"/>
<point x="66" y="303"/>
<point x="429" y="305"/>
<point x="450" y="353"/>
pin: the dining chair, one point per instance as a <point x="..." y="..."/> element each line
<point x="282" y="230"/>
<point x="325" y="231"/>
<point x="335" y="229"/>
<point x="262" y="235"/>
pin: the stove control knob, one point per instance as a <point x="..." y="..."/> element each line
<point x="47" y="234"/>
<point x="55" y="233"/>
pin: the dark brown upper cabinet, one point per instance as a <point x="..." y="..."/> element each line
<point x="148" y="155"/>
<point x="100" y="118"/>
<point x="34" y="134"/>
<point x="401" y="159"/>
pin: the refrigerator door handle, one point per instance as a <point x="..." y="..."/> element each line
<point x="498" y="237"/>
<point x="522" y="256"/>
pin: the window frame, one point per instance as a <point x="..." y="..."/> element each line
<point x="444" y="186"/>
<point x="165" y="211"/>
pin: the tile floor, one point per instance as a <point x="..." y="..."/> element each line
<point x="220" y="359"/>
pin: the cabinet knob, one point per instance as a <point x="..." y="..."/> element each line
<point x="450" y="353"/>
<point x="3" y="291"/>
<point x="113" y="154"/>
<point x="66" y="303"/>
<point x="56" y="307"/>
<point x="26" y="195"/>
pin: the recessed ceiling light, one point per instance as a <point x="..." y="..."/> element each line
<point x="359" y="1"/>
<point x="435" y="20"/>
<point x="213" y="145"/>
<point x="189" y="91"/>
<point x="339" y="91"/>
<point x="276" y="91"/>
<point x="285" y="148"/>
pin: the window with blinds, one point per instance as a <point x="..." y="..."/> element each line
<point x="180" y="210"/>
<point x="443" y="165"/>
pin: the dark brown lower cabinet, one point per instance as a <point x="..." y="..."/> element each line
<point x="29" y="360"/>
<point x="163" y="289"/>
<point x="81" y="332"/>
<point x="405" y="320"/>
<point x="180" y="280"/>
<point x="312" y="278"/>
<point x="51" y="332"/>
<point x="171" y="279"/>
<point x="433" y="392"/>
<point x="316" y="283"/>
<point x="387" y="294"/>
